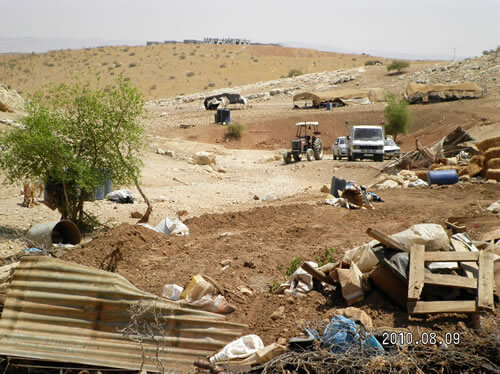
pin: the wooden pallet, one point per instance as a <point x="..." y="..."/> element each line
<point x="483" y="284"/>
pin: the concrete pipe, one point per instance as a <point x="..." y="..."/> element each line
<point x="57" y="232"/>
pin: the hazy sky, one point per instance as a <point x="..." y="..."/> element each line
<point x="417" y="27"/>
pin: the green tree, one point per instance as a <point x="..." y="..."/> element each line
<point x="75" y="137"/>
<point x="398" y="65"/>
<point x="397" y="116"/>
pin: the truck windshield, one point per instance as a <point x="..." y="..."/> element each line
<point x="341" y="140"/>
<point x="368" y="134"/>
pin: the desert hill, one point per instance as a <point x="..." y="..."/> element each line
<point x="170" y="69"/>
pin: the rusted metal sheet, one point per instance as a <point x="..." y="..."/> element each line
<point x="60" y="311"/>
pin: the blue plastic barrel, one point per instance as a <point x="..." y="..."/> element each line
<point x="328" y="106"/>
<point x="108" y="187"/>
<point x="99" y="193"/>
<point x="441" y="177"/>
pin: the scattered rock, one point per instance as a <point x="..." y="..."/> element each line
<point x="278" y="313"/>
<point x="269" y="197"/>
<point x="282" y="341"/>
<point x="255" y="197"/>
<point x="160" y="151"/>
<point x="170" y="153"/>
<point x="225" y="262"/>
<point x="464" y="178"/>
<point x="204" y="158"/>
<point x="245" y="291"/>
<point x="164" y="114"/>
<point x="225" y="234"/>
<point x="135" y="214"/>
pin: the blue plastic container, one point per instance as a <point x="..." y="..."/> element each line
<point x="328" y="106"/>
<point x="108" y="187"/>
<point x="99" y="193"/>
<point x="441" y="177"/>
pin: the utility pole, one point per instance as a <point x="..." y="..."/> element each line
<point x="454" y="50"/>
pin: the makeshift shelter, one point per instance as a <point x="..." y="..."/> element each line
<point x="433" y="93"/>
<point x="341" y="97"/>
<point x="213" y="102"/>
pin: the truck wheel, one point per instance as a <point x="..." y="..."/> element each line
<point x="380" y="158"/>
<point x="318" y="149"/>
<point x="296" y="157"/>
<point x="349" y="158"/>
<point x="310" y="154"/>
<point x="334" y="157"/>
<point x="287" y="157"/>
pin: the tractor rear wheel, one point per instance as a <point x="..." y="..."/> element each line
<point x="310" y="154"/>
<point x="318" y="149"/>
<point x="296" y="157"/>
<point x="287" y="157"/>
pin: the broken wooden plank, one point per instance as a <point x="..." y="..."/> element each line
<point x="387" y="240"/>
<point x="450" y="280"/>
<point x="454" y="227"/>
<point x="450" y="256"/>
<point x="316" y="273"/>
<point x="416" y="273"/>
<point x="485" y="281"/>
<point x="470" y="269"/>
<point x="429" y="307"/>
<point x="476" y="221"/>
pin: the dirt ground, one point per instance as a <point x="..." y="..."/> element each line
<point x="230" y="218"/>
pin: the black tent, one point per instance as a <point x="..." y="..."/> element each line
<point x="232" y="98"/>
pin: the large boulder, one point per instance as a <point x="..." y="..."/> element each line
<point x="204" y="158"/>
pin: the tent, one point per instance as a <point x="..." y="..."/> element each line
<point x="213" y="102"/>
<point x="431" y="93"/>
<point x="342" y="97"/>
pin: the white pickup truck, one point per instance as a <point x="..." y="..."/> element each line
<point x="365" y="141"/>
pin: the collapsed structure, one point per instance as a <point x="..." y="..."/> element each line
<point x="417" y="93"/>
<point x="341" y="97"/>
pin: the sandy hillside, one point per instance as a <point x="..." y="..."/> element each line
<point x="169" y="70"/>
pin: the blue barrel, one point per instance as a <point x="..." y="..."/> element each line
<point x="99" y="193"/>
<point x="328" y="106"/>
<point x="108" y="187"/>
<point x="441" y="177"/>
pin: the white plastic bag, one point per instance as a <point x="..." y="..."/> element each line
<point x="432" y="235"/>
<point x="172" y="292"/>
<point x="172" y="226"/>
<point x="241" y="348"/>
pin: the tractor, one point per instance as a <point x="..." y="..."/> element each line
<point x="308" y="142"/>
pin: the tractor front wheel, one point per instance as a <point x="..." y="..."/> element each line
<point x="310" y="154"/>
<point x="287" y="157"/>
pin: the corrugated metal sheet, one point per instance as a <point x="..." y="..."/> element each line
<point x="66" y="312"/>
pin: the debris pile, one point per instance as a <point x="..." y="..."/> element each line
<point x="457" y="151"/>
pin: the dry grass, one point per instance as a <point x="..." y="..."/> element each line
<point x="156" y="65"/>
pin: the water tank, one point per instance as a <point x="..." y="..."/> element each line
<point x="440" y="177"/>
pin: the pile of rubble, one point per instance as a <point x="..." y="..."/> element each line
<point x="479" y="70"/>
<point x="457" y="151"/>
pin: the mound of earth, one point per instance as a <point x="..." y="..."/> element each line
<point x="259" y="244"/>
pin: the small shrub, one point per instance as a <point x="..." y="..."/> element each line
<point x="26" y="71"/>
<point x="104" y="63"/>
<point x="273" y="287"/>
<point x="132" y="65"/>
<point x="398" y="65"/>
<point x="326" y="257"/>
<point x="153" y="87"/>
<point x="192" y="54"/>
<point x="211" y="85"/>
<point x="171" y="77"/>
<point x="222" y="66"/>
<point x="182" y="57"/>
<point x="292" y="266"/>
<point x="117" y="64"/>
<point x="294" y="73"/>
<point x="126" y="79"/>
<point x="190" y="74"/>
<point x="131" y="54"/>
<point x="235" y="130"/>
